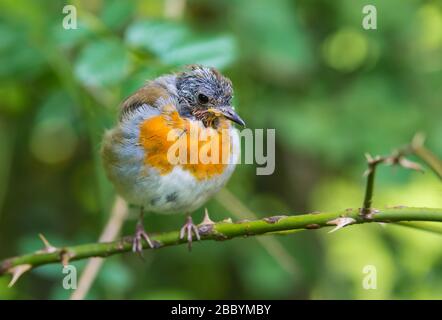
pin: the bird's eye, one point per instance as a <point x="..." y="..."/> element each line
<point x="203" y="99"/>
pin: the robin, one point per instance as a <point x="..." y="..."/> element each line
<point x="136" y="152"/>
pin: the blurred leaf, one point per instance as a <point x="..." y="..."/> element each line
<point x="115" y="277"/>
<point x="18" y="58"/>
<point x="218" y="52"/>
<point x="139" y="78"/>
<point x="7" y="140"/>
<point x="102" y="63"/>
<point x="368" y="115"/>
<point x="57" y="104"/>
<point x="262" y="275"/>
<point x="179" y="46"/>
<point x="273" y="36"/>
<point x="145" y="35"/>
<point x="14" y="99"/>
<point x="54" y="138"/>
<point x="69" y="38"/>
<point x="116" y="13"/>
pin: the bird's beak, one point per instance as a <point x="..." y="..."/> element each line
<point x="230" y="114"/>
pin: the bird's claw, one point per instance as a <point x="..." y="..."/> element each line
<point x="187" y="230"/>
<point x="140" y="234"/>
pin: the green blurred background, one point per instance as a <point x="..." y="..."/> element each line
<point x="331" y="89"/>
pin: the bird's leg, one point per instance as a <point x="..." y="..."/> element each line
<point x="187" y="229"/>
<point x="140" y="234"/>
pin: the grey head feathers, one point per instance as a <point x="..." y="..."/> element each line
<point x="192" y="91"/>
<point x="197" y="83"/>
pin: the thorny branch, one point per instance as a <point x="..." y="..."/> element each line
<point x="397" y="158"/>
<point x="225" y="230"/>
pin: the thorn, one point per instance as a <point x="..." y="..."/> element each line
<point x="65" y="256"/>
<point x="368" y="213"/>
<point x="206" y="219"/>
<point x="340" y="223"/>
<point x="372" y="162"/>
<point x="228" y="220"/>
<point x="17" y="272"/>
<point x="418" y="140"/>
<point x="405" y="163"/>
<point x="392" y="160"/>
<point x="367" y="172"/>
<point x="48" y="247"/>
<point x="273" y="219"/>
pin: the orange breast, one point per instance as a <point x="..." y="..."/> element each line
<point x="154" y="139"/>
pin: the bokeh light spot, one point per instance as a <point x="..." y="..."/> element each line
<point x="53" y="141"/>
<point x="345" y="50"/>
<point x="430" y="27"/>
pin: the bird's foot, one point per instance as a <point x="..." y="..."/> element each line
<point x="187" y="230"/>
<point x="140" y="234"/>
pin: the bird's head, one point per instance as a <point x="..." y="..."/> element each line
<point x="207" y="95"/>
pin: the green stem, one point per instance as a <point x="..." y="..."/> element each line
<point x="368" y="199"/>
<point x="223" y="231"/>
<point x="430" y="159"/>
<point x="425" y="226"/>
<point x="371" y="172"/>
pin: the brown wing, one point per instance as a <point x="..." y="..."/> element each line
<point x="148" y="94"/>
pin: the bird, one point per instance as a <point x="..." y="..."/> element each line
<point x="136" y="151"/>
